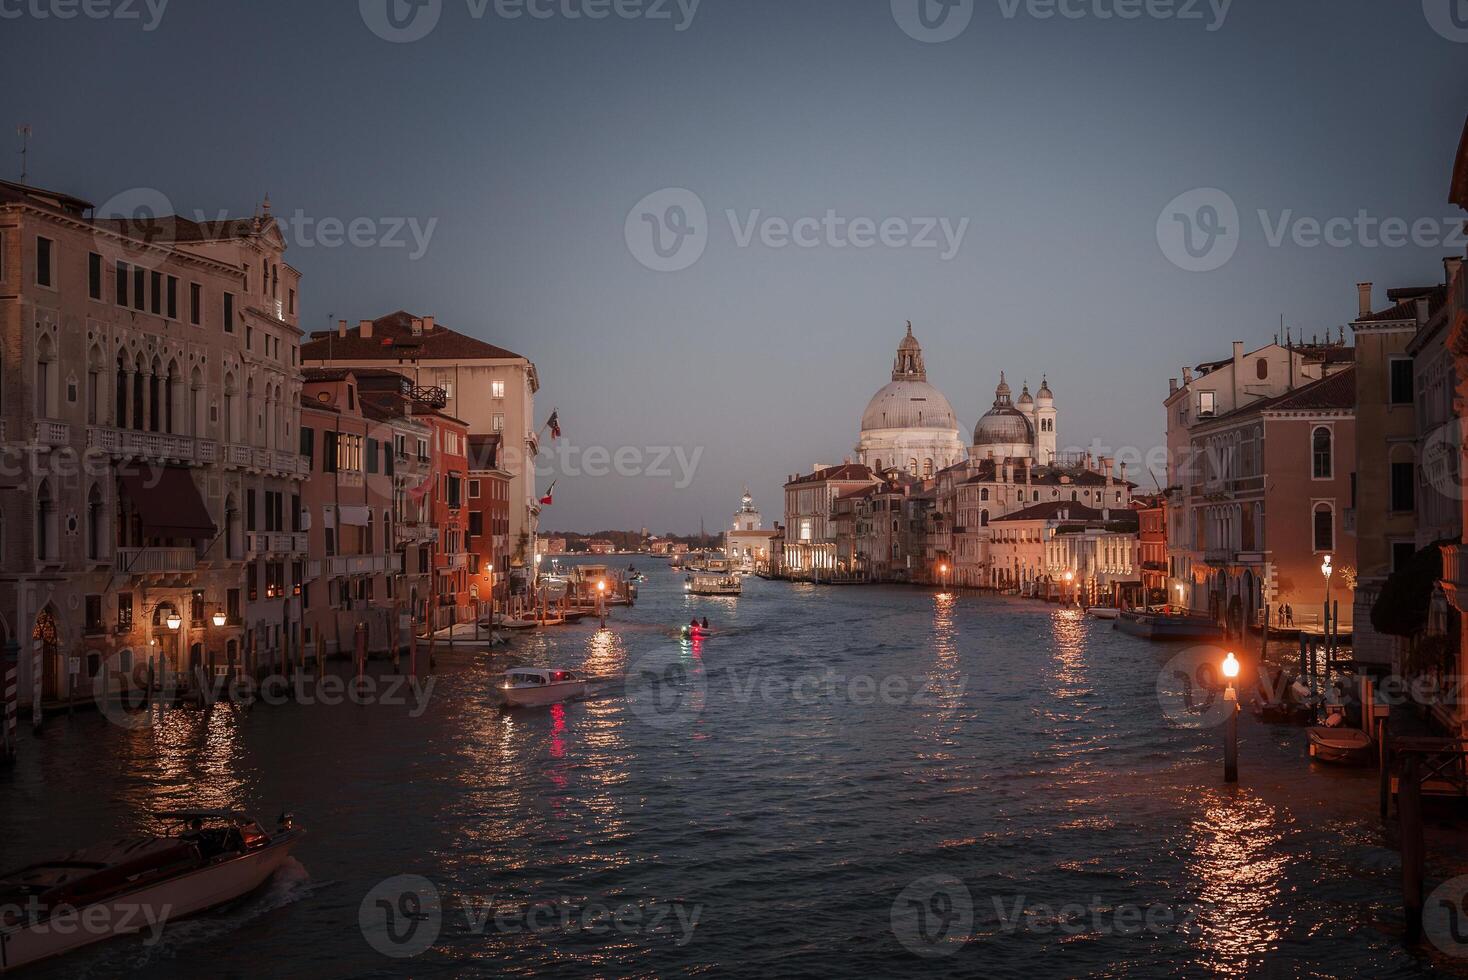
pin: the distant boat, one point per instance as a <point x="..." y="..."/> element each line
<point x="533" y="687"/>
<point x="713" y="585"/>
<point x="1163" y="626"/>
<point x="1103" y="612"/>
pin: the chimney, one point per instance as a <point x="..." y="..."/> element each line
<point x="1171" y="387"/>
<point x="1363" y="292"/>
<point x="417" y="327"/>
<point x="1238" y="350"/>
<point x="428" y="324"/>
<point x="1187" y="375"/>
<point x="1451" y="265"/>
<point x="341" y="328"/>
<point x="1422" y="309"/>
<point x="365" y="329"/>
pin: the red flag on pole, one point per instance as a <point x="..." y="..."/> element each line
<point x="555" y="425"/>
<point x="550" y="493"/>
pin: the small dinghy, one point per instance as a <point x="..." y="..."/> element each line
<point x="1337" y="742"/>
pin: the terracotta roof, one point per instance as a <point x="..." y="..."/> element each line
<point x="393" y="340"/>
<point x="172" y="228"/>
<point x="324" y="374"/>
<point x="1332" y="393"/>
<point x="862" y="492"/>
<point x="1055" y="510"/>
<point x="14" y="193"/>
<point x="847" y="471"/>
<point x="1405" y="307"/>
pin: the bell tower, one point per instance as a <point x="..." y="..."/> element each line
<point x="1045" y="422"/>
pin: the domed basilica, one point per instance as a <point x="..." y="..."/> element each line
<point x="910" y="426"/>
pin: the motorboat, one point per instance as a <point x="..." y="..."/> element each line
<point x="532" y="687"/>
<point x="200" y="860"/>
<point x="1166" y="626"/>
<point x="713" y="585"/>
<point x="1103" y="612"/>
<point x="524" y="622"/>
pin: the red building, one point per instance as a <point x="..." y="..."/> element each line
<point x="489" y="520"/>
<point x="1152" y="545"/>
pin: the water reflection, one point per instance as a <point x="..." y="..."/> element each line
<point x="1234" y="850"/>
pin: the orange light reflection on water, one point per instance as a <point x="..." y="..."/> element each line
<point x="1236" y="854"/>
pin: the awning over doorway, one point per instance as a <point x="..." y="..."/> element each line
<point x="168" y="501"/>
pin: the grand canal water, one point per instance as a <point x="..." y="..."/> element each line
<point x="968" y="767"/>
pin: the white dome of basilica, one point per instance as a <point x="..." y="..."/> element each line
<point x="908" y="405"/>
<point x="909" y="424"/>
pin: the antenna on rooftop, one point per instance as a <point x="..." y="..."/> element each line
<point x="24" y="132"/>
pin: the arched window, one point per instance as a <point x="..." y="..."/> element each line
<point x="983" y="518"/>
<point x="199" y="423"/>
<point x="96" y="532"/>
<point x="155" y="396"/>
<point x="120" y="395"/>
<point x="140" y="372"/>
<point x="45" y="378"/>
<point x="1321" y="454"/>
<point x="984" y="493"/>
<point x="96" y="364"/>
<point x="1324" y="528"/>
<point x="877" y="465"/>
<point x="45" y="522"/>
<point x="1261" y="369"/>
<point x="912" y="465"/>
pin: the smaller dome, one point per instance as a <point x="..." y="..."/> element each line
<point x="1045" y="392"/>
<point x="1003" y="426"/>
<point x="1024" y="395"/>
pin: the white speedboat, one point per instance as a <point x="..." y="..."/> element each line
<point x="532" y="687"/>
<point x="202" y="859"/>
<point x="714" y="585"/>
<point x="1103" y="612"/>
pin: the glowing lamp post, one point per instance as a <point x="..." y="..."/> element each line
<point x="1070" y="578"/>
<point x="943" y="575"/>
<point x="601" y="601"/>
<point x="1231" y="724"/>
<point x="219" y="619"/>
<point x="173" y="621"/>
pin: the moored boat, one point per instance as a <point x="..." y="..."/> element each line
<point x="1166" y="626"/>
<point x="1103" y="612"/>
<point x="534" y="687"/>
<point x="203" y="859"/>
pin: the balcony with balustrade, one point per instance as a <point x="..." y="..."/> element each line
<point x="163" y="447"/>
<point x="338" y="566"/>
<point x="155" y="561"/>
<point x="50" y="434"/>
<point x="275" y="544"/>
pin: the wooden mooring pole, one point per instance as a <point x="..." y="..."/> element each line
<point x="1409" y="817"/>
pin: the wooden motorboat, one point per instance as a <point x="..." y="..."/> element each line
<point x="1103" y="612"/>
<point x="202" y="859"/>
<point x="534" y="687"/>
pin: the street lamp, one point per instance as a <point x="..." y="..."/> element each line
<point x="943" y="574"/>
<point x="173" y="621"/>
<point x="219" y="618"/>
<point x="1231" y="724"/>
<point x="1180" y="592"/>
<point x="1070" y="577"/>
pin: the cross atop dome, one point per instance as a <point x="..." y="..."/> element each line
<point x="909" y="363"/>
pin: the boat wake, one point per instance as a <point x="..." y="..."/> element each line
<point x="290" y="884"/>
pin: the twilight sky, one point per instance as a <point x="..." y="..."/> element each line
<point x="521" y="149"/>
